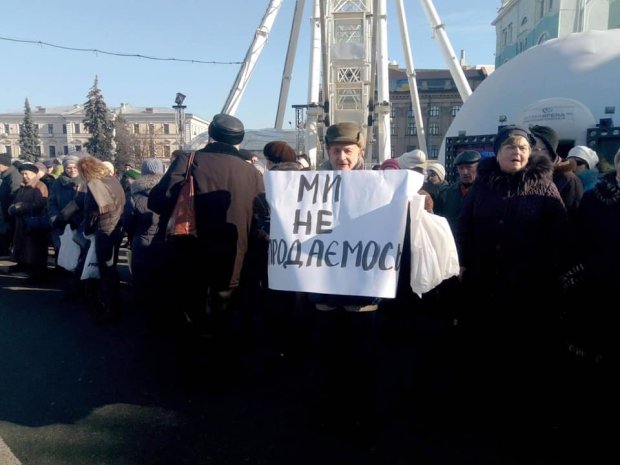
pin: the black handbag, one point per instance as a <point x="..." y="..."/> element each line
<point x="37" y="224"/>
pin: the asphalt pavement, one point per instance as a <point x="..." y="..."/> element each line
<point x="75" y="393"/>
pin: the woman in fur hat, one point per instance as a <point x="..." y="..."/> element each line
<point x="510" y="238"/>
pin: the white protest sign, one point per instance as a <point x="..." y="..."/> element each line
<point x="338" y="232"/>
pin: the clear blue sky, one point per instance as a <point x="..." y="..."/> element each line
<point x="205" y="30"/>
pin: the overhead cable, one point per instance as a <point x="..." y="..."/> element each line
<point x="130" y="55"/>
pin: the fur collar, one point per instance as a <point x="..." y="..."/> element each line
<point x="563" y="166"/>
<point x="220" y="147"/>
<point x="607" y="191"/>
<point x="538" y="168"/>
<point x="144" y="183"/>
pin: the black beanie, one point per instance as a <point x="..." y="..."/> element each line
<point x="549" y="138"/>
<point x="511" y="130"/>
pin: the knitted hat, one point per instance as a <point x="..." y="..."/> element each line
<point x="70" y="160"/>
<point x="227" y="129"/>
<point x="511" y="130"/>
<point x="437" y="168"/>
<point x="48" y="163"/>
<point x="584" y="153"/>
<point x="414" y="159"/>
<point x="27" y="166"/>
<point x="390" y="164"/>
<point x="279" y="151"/>
<point x="345" y="133"/>
<point x="549" y="138"/>
<point x="41" y="166"/>
<point x="152" y="166"/>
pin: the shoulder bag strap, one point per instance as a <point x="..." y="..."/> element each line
<point x="189" y="164"/>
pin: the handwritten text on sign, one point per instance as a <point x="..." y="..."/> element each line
<point x="338" y="232"/>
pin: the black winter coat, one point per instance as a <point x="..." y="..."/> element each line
<point x="511" y="231"/>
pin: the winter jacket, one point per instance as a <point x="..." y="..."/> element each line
<point x="511" y="231"/>
<point x="226" y="188"/>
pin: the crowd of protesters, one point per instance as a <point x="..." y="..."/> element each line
<point x="535" y="234"/>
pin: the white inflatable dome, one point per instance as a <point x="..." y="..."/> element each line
<point x="568" y="83"/>
<point x="254" y="139"/>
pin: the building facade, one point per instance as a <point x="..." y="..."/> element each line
<point x="62" y="131"/>
<point x="522" y="24"/>
<point x="440" y="101"/>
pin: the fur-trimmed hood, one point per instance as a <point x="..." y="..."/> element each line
<point x="144" y="183"/>
<point x="539" y="168"/>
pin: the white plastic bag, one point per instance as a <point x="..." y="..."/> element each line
<point x="69" y="251"/>
<point x="91" y="267"/>
<point x="433" y="250"/>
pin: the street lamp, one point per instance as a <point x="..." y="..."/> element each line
<point x="180" y="109"/>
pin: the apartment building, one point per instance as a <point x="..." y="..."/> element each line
<point x="440" y="101"/>
<point x="522" y="24"/>
<point x="62" y="131"/>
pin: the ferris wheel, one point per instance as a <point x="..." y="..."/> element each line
<point x="348" y="70"/>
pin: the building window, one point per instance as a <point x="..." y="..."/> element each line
<point x="8" y="150"/>
<point x="434" y="152"/>
<point x="167" y="151"/>
<point x="543" y="38"/>
<point x="550" y="5"/>
<point x="64" y="129"/>
<point x="52" y="151"/>
<point x="76" y="128"/>
<point x="454" y="110"/>
<point x="392" y="112"/>
<point x="38" y="150"/>
<point x="136" y="129"/>
<point x="412" y="129"/>
<point x="7" y="128"/>
<point x="166" y="128"/>
<point x="393" y="129"/>
<point x="50" y="129"/>
<point x="433" y="110"/>
<point x="65" y="150"/>
<point x="541" y="11"/>
<point x="151" y="129"/>
<point x="78" y="148"/>
<point x="433" y="129"/>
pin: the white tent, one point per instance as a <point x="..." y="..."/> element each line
<point x="568" y="83"/>
<point x="254" y="139"/>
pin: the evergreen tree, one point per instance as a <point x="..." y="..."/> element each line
<point x="98" y="123"/>
<point x="29" y="142"/>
